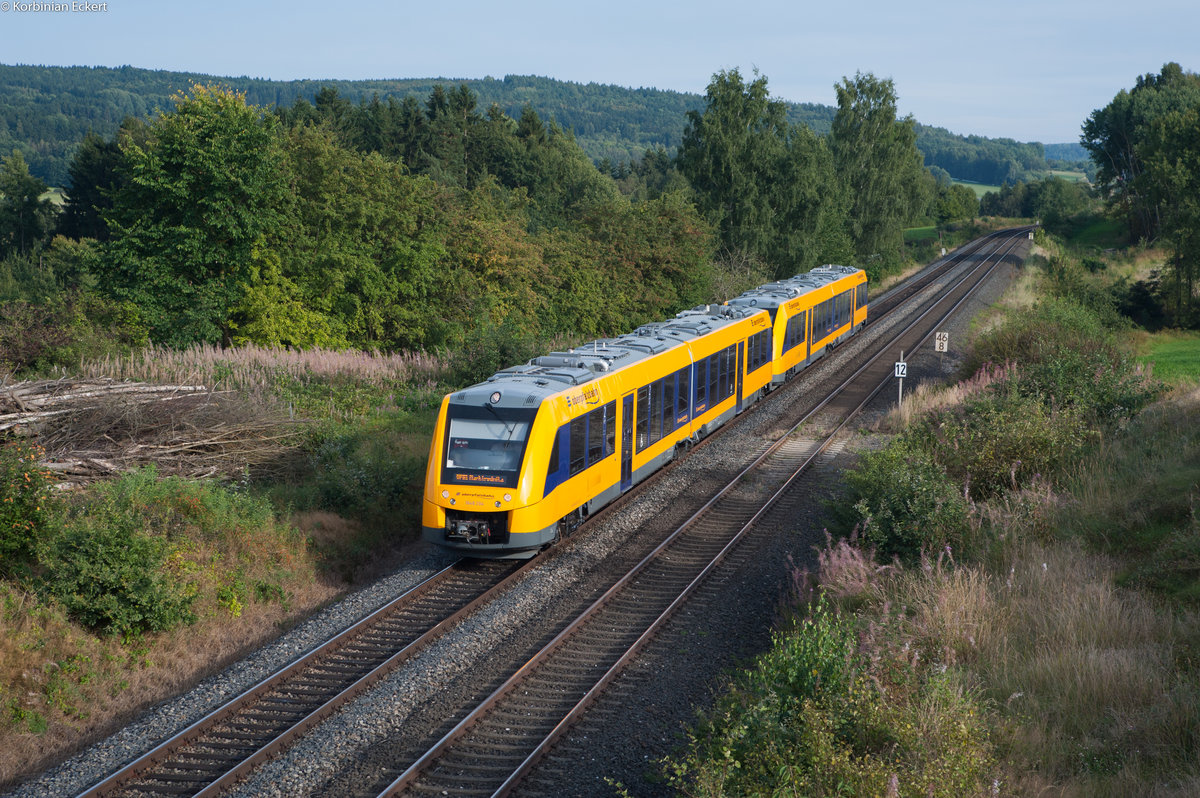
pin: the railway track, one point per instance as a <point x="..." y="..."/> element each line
<point x="500" y="741"/>
<point x="220" y="748"/>
<point x="225" y="745"/>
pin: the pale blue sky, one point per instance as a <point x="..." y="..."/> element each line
<point x="1046" y="65"/>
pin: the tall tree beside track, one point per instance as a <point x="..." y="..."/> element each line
<point x="93" y="180"/>
<point x="1147" y="152"/>
<point x="1173" y="162"/>
<point x="25" y="218"/>
<point x="766" y="186"/>
<point x="1117" y="137"/>
<point x="365" y="265"/>
<point x="879" y="166"/>
<point x="205" y="198"/>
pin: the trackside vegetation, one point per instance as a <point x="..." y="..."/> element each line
<point x="1007" y="602"/>
<point x="316" y="277"/>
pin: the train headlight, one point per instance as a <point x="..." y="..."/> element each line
<point x="445" y="494"/>
<point x="497" y="504"/>
<point x="508" y="497"/>
<point x="452" y="501"/>
<point x="495" y="397"/>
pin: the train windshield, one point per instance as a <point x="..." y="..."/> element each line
<point x="485" y="445"/>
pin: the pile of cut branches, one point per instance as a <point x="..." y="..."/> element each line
<point x="100" y="427"/>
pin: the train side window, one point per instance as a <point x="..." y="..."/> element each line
<point x="701" y="383"/>
<point x="683" y="401"/>
<point x="722" y="363"/>
<point x="714" y="379"/>
<point x="762" y="347"/>
<point x="654" y="417"/>
<point x="610" y="428"/>
<point x="730" y="371"/>
<point x="578" y="445"/>
<point x="668" y="406"/>
<point x="595" y="436"/>
<point x="553" y="467"/>
<point x="643" y="416"/>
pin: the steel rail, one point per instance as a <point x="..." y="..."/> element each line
<point x="162" y="753"/>
<point x="413" y="772"/>
<point x="141" y="766"/>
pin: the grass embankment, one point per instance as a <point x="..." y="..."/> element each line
<point x="1016" y="613"/>
<point x="1175" y="355"/>
<point x="120" y="594"/>
<point x="110" y="595"/>
<point x="354" y="483"/>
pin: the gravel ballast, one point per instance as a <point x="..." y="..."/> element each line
<point x="638" y="721"/>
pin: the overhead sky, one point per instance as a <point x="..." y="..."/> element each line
<point x="1025" y="69"/>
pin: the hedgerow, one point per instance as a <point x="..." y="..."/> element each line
<point x="904" y="502"/>
<point x="25" y="504"/>
<point x="817" y="717"/>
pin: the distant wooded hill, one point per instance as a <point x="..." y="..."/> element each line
<point x="45" y="112"/>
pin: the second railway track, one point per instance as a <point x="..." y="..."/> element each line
<point x="221" y="758"/>
<point x="500" y="741"/>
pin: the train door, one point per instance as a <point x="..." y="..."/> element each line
<point x="740" y="369"/>
<point x="627" y="442"/>
<point x="811" y="327"/>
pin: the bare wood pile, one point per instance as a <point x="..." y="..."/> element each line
<point x="97" y="428"/>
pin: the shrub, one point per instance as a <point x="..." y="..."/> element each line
<point x="829" y="711"/>
<point x="904" y="503"/>
<point x="110" y="577"/>
<point x="999" y="439"/>
<point x="25" y="504"/>
<point x="136" y="554"/>
<point x="365" y="471"/>
<point x="36" y="338"/>
<point x="1067" y="358"/>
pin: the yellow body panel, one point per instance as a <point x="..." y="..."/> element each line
<point x="530" y="512"/>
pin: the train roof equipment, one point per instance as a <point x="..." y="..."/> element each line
<point x="529" y="384"/>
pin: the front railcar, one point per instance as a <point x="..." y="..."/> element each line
<point x="478" y="488"/>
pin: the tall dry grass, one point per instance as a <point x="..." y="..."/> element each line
<point x="928" y="397"/>
<point x="1081" y="674"/>
<point x="256" y="371"/>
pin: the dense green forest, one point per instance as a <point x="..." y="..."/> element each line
<point x="46" y="112"/>
<point x="400" y="225"/>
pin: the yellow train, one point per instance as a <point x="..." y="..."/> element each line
<point x="528" y="455"/>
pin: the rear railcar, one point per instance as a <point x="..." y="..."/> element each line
<point x="809" y="313"/>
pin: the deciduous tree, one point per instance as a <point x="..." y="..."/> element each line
<point x="205" y="190"/>
<point x="879" y="166"/>
<point x="25" y="218"/>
